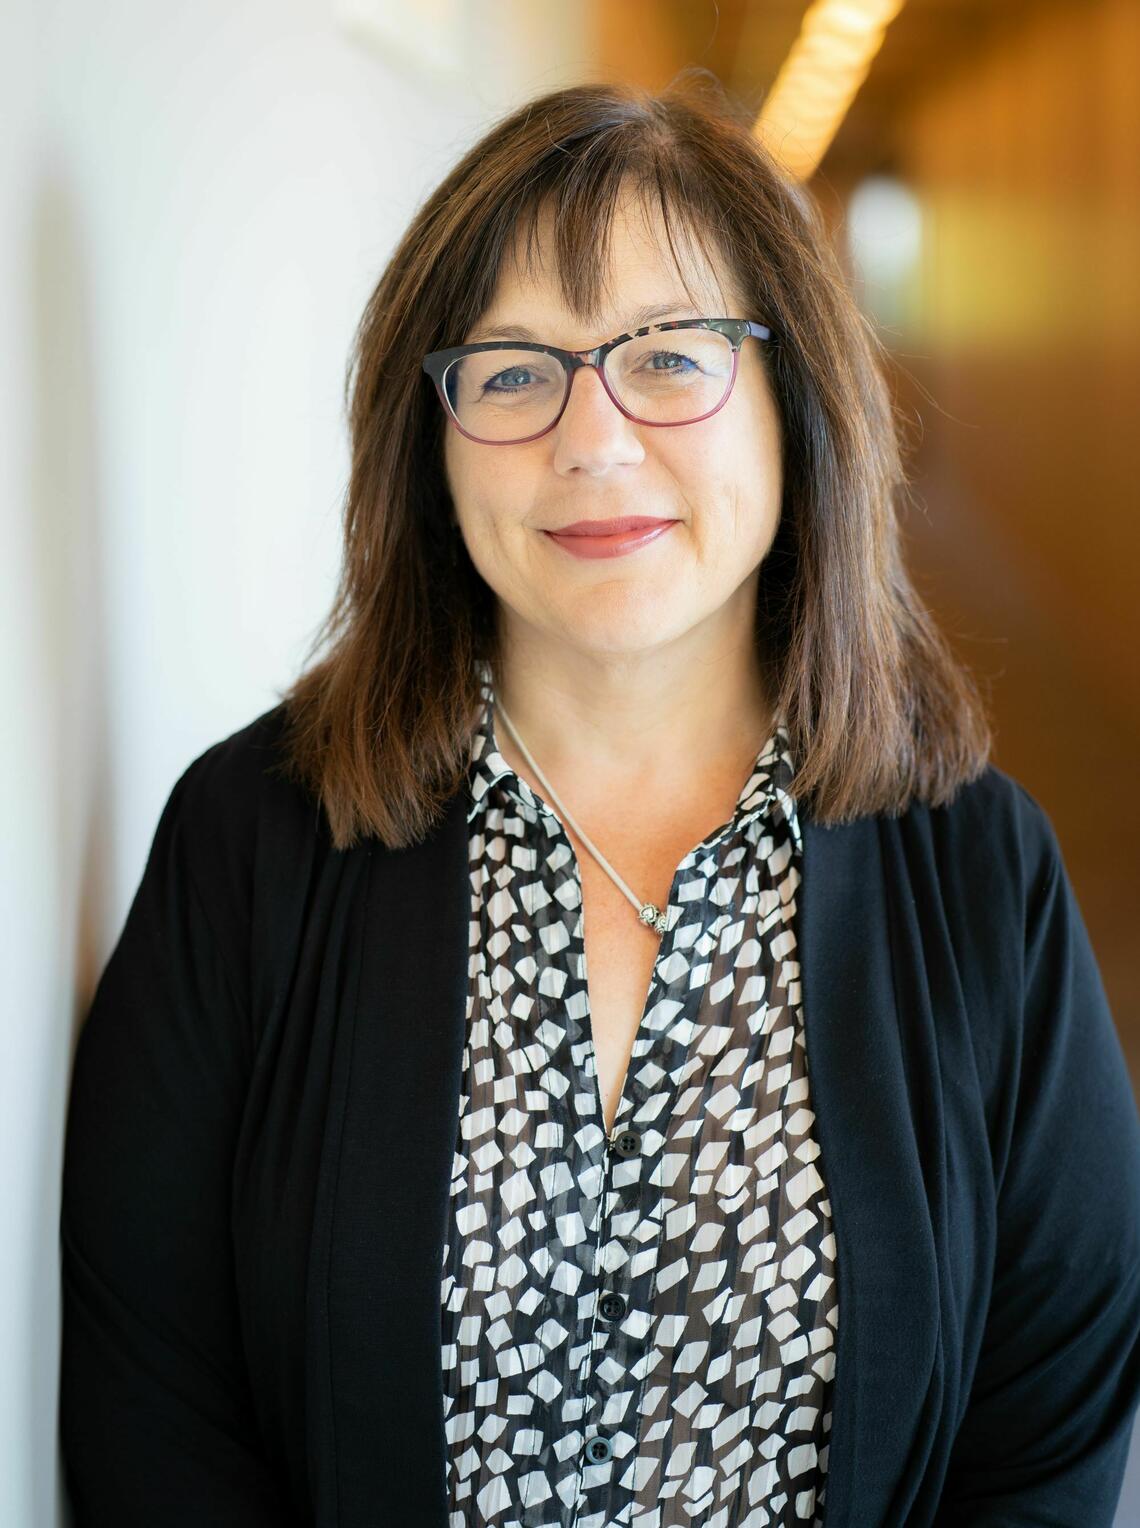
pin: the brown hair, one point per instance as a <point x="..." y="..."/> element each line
<point x="878" y="710"/>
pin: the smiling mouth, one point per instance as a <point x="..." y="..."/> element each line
<point x="618" y="527"/>
<point x="597" y="541"/>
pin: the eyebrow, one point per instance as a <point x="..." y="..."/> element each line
<point x="635" y="320"/>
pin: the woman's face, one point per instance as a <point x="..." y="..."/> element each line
<point x="720" y="479"/>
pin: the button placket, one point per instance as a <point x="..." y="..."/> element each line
<point x="621" y="1294"/>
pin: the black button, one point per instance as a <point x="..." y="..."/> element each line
<point x="598" y="1450"/>
<point x="613" y="1307"/>
<point x="627" y="1143"/>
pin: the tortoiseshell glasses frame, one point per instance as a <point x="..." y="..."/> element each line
<point x="735" y="330"/>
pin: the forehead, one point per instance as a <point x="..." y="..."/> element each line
<point x="641" y="274"/>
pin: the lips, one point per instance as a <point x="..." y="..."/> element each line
<point x="610" y="527"/>
<point x="597" y="538"/>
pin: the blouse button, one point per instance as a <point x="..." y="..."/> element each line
<point x="613" y="1307"/>
<point x="627" y="1143"/>
<point x="598" y="1450"/>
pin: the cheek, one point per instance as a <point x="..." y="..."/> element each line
<point x="469" y="488"/>
<point x="494" y="494"/>
<point x="735" y="489"/>
<point x="490" y="525"/>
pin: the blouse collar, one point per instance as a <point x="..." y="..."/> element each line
<point x="765" y="794"/>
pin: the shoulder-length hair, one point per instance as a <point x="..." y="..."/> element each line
<point x="878" y="711"/>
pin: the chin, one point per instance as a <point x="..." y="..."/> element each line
<point x="621" y="621"/>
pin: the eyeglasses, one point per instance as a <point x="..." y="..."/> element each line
<point x="503" y="393"/>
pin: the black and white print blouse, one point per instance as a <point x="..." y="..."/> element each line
<point x="639" y="1329"/>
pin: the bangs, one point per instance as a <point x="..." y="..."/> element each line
<point x="564" y="226"/>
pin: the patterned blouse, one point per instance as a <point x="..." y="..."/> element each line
<point x="637" y="1329"/>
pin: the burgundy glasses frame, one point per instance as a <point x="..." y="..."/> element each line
<point x="735" y="329"/>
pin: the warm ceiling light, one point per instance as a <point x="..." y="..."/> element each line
<point x="828" y="62"/>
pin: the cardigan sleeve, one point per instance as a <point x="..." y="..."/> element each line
<point x="1046" y="1431"/>
<point x="157" y="1424"/>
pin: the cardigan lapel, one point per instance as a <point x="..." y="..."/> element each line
<point x="375" y="1377"/>
<point x="888" y="1350"/>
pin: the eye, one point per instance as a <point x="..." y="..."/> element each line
<point x="496" y="384"/>
<point x="670" y="355"/>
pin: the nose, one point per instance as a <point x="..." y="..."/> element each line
<point x="593" y="433"/>
<point x="590" y="399"/>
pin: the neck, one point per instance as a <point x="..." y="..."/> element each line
<point x="596" y="722"/>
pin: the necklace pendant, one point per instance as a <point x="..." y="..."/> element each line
<point x="653" y="919"/>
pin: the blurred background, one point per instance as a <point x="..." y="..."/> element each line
<point x="196" y="202"/>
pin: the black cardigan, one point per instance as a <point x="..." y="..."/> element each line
<point x="260" y="1139"/>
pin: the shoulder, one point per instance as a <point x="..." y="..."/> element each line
<point x="971" y="885"/>
<point x="983" y="856"/>
<point x="993" y="835"/>
<point x="982" y="902"/>
<point x="235" y="852"/>
<point x="236" y="774"/>
<point x="235" y="810"/>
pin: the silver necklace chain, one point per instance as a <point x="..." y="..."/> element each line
<point x="647" y="913"/>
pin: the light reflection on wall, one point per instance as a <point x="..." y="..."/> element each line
<point x="820" y="77"/>
<point x="883" y="232"/>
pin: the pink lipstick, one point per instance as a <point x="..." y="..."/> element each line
<point x="609" y="538"/>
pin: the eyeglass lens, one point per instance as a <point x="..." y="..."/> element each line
<point x="662" y="378"/>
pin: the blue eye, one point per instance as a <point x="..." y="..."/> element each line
<point x="670" y="355"/>
<point x="510" y="387"/>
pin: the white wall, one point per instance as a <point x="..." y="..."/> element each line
<point x="196" y="200"/>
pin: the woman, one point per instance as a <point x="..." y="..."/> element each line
<point x="607" y="1047"/>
